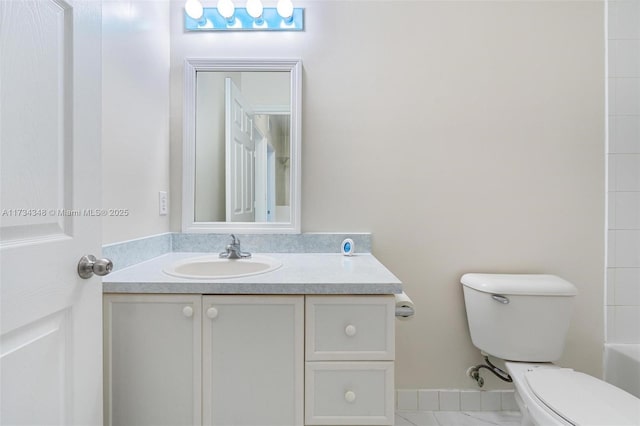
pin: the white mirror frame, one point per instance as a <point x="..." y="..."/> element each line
<point x="191" y="67"/>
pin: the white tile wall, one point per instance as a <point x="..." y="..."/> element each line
<point x="624" y="173"/>
<point x="624" y="324"/>
<point x="627" y="96"/>
<point x="626" y="291"/>
<point x="624" y="210"/>
<point x="624" y="16"/>
<point x="624" y="134"/>
<point x="623" y="148"/>
<point x="625" y="58"/>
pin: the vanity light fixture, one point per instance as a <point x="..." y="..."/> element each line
<point x="226" y="9"/>
<point x="254" y="9"/>
<point x="255" y="17"/>
<point x="285" y="9"/>
<point x="194" y="9"/>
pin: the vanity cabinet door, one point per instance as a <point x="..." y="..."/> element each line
<point x="253" y="360"/>
<point x="152" y="359"/>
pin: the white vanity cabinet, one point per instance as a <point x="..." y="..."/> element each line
<point x="152" y="359"/>
<point x="261" y="360"/>
<point x="350" y="348"/>
<point x="211" y="360"/>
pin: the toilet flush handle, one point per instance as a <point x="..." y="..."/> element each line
<point x="500" y="298"/>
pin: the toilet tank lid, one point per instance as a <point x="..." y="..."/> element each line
<point x="520" y="284"/>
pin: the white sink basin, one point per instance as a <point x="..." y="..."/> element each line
<point x="214" y="267"/>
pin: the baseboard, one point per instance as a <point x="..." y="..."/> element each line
<point x="455" y="400"/>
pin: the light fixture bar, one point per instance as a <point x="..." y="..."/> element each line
<point x="270" y="20"/>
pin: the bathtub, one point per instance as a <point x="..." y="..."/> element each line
<point x="622" y="366"/>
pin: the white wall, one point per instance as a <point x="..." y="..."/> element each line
<point x="135" y="106"/>
<point x="623" y="257"/>
<point x="210" y="161"/>
<point x="466" y="136"/>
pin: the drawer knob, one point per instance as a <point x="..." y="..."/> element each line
<point x="350" y="330"/>
<point x="350" y="396"/>
<point x="212" y="313"/>
<point x="187" y="311"/>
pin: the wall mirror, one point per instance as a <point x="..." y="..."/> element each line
<point x="241" y="147"/>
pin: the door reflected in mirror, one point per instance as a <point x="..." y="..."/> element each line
<point x="241" y="162"/>
<point x="242" y="147"/>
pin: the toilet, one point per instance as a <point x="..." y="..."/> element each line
<point x="523" y="319"/>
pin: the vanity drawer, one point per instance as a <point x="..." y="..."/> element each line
<point x="349" y="393"/>
<point x="350" y="328"/>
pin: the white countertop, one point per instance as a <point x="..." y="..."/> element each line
<point x="300" y="273"/>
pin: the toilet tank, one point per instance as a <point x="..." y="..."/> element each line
<point x="518" y="317"/>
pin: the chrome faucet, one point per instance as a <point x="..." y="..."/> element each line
<point x="233" y="250"/>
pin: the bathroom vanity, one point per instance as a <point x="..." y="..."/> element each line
<point x="310" y="343"/>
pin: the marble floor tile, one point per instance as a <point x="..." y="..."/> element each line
<point x="416" y="418"/>
<point x="457" y="418"/>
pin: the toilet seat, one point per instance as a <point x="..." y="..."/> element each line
<point x="581" y="399"/>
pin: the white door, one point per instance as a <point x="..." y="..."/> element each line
<point x="261" y="208"/>
<point x="240" y="156"/>
<point x="271" y="185"/>
<point x="51" y="319"/>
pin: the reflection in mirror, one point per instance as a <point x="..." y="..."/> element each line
<point x="242" y="118"/>
<point x="241" y="152"/>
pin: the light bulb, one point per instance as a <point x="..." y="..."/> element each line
<point x="226" y="8"/>
<point x="194" y="9"/>
<point x="254" y="8"/>
<point x="285" y="8"/>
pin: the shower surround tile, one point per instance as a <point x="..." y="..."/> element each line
<point x="624" y="134"/>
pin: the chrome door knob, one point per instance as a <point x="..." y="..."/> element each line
<point x="89" y="265"/>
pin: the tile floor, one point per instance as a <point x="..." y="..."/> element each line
<point x="457" y="418"/>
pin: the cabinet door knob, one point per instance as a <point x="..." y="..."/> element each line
<point x="350" y="396"/>
<point x="187" y="311"/>
<point x="212" y="312"/>
<point x="350" y="330"/>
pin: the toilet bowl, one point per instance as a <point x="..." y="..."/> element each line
<point x="551" y="395"/>
<point x="523" y="319"/>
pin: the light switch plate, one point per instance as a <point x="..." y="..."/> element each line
<point x="163" y="203"/>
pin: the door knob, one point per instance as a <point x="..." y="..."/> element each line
<point x="89" y="265"/>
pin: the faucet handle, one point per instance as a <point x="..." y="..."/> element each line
<point x="234" y="240"/>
